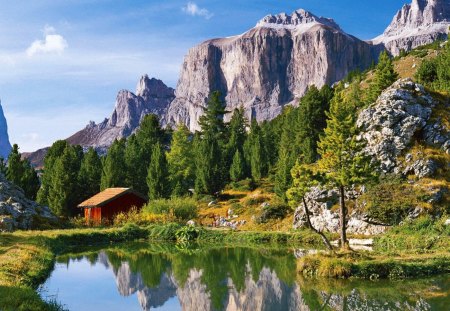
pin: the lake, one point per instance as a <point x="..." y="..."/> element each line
<point x="142" y="276"/>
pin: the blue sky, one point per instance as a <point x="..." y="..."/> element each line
<point x="63" y="62"/>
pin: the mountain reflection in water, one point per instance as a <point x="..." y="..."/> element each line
<point x="164" y="277"/>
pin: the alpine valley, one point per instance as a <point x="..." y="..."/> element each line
<point x="262" y="70"/>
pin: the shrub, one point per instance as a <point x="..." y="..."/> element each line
<point x="390" y="201"/>
<point x="187" y="233"/>
<point x="276" y="209"/>
<point x="181" y="208"/>
<point x="140" y="218"/>
<point x="244" y="185"/>
<point x="427" y="72"/>
<point x="255" y="200"/>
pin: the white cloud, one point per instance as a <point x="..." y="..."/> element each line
<point x="193" y="9"/>
<point x="51" y="44"/>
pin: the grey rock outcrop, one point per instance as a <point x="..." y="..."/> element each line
<point x="416" y="24"/>
<point x="152" y="96"/>
<point x="401" y="112"/>
<point x="5" y="145"/>
<point x="320" y="202"/>
<point x="267" y="67"/>
<point x="18" y="212"/>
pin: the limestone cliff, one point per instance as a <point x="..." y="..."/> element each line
<point x="416" y="24"/>
<point x="267" y="67"/>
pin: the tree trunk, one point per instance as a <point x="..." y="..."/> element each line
<point x="324" y="238"/>
<point x="343" y="213"/>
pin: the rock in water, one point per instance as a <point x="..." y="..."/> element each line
<point x="18" y="212"/>
<point x="152" y="96"/>
<point x="267" y="67"/>
<point x="5" y="146"/>
<point x="416" y="24"/>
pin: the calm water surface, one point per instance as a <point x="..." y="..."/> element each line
<point x="177" y="277"/>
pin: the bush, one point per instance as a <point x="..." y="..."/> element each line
<point x="390" y="201"/>
<point x="187" y="233"/>
<point x="274" y="210"/>
<point x="427" y="72"/>
<point x="244" y="185"/>
<point x="255" y="200"/>
<point x="181" y="208"/>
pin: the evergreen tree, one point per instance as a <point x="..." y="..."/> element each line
<point x="238" y="134"/>
<point x="53" y="153"/>
<point x="181" y="162"/>
<point x="237" y="167"/>
<point x="254" y="152"/>
<point x="136" y="162"/>
<point x="30" y="181"/>
<point x="208" y="166"/>
<point x="90" y="174"/>
<point x="342" y="161"/>
<point x="211" y="122"/>
<point x="384" y="76"/>
<point x="63" y="193"/>
<point x="303" y="179"/>
<point x="158" y="185"/>
<point x="114" y="169"/>
<point x="15" y="169"/>
<point x="210" y="171"/>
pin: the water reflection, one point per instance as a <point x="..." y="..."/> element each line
<point x="165" y="277"/>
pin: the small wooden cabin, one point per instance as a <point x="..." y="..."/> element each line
<point x="110" y="202"/>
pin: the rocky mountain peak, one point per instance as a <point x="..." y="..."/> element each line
<point x="297" y="19"/>
<point x="418" y="23"/>
<point x="152" y="88"/>
<point x="5" y="146"/>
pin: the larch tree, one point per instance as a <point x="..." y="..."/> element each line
<point x="342" y="161"/>
<point x="113" y="166"/>
<point x="180" y="159"/>
<point x="90" y="174"/>
<point x="157" y="182"/>
<point x="303" y="179"/>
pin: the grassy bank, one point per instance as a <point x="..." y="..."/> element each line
<point x="27" y="258"/>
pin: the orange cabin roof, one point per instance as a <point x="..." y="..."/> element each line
<point x="107" y="196"/>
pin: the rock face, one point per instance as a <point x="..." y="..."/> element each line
<point x="152" y="96"/>
<point x="323" y="218"/>
<point x="17" y="212"/>
<point x="267" y="67"/>
<point x="5" y="146"/>
<point x="418" y="23"/>
<point x="400" y="113"/>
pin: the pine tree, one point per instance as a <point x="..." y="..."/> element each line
<point x="303" y="179"/>
<point x="384" y="76"/>
<point x="158" y="185"/>
<point x="238" y="134"/>
<point x="63" y="193"/>
<point x="136" y="163"/>
<point x="181" y="162"/>
<point x="30" y="181"/>
<point x="254" y="152"/>
<point x="237" y="167"/>
<point x="15" y="169"/>
<point x="342" y="161"/>
<point x="53" y="153"/>
<point x="90" y="174"/>
<point x="208" y="166"/>
<point x="114" y="169"/>
<point x="210" y="171"/>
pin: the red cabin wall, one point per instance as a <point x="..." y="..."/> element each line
<point x="116" y="206"/>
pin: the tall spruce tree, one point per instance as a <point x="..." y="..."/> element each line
<point x="384" y="76"/>
<point x="209" y="146"/>
<point x="30" y="181"/>
<point x="114" y="168"/>
<point x="181" y="162"/>
<point x="237" y="169"/>
<point x="342" y="161"/>
<point x="53" y="153"/>
<point x="254" y="152"/>
<point x="90" y="174"/>
<point x="237" y="134"/>
<point x="15" y="169"/>
<point x="157" y="182"/>
<point x="63" y="195"/>
<point x="3" y="166"/>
